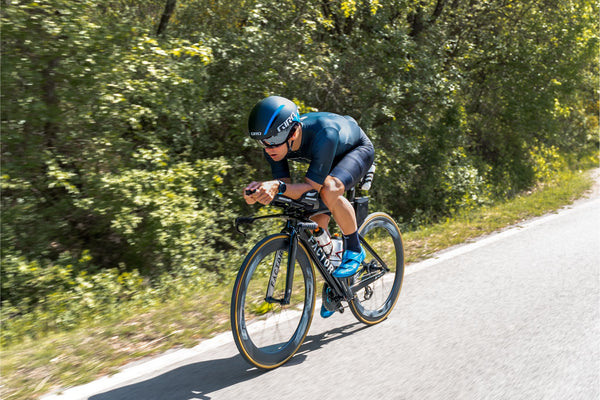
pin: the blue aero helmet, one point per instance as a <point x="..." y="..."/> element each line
<point x="272" y="119"/>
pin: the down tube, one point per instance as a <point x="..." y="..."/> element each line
<point x="322" y="262"/>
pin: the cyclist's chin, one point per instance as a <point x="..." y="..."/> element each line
<point x="277" y="156"/>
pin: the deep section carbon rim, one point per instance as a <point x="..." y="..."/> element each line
<point x="268" y="333"/>
<point x="375" y="301"/>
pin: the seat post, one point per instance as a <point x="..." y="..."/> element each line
<point x="360" y="205"/>
<point x="350" y="194"/>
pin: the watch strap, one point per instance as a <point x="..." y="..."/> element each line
<point x="282" y="187"/>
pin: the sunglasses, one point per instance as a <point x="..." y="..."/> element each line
<point x="275" y="141"/>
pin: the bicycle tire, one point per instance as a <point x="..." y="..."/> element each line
<point x="374" y="303"/>
<point x="268" y="334"/>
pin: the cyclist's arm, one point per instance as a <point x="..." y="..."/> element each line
<point x="265" y="192"/>
<point x="295" y="190"/>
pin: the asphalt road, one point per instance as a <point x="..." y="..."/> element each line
<point x="513" y="316"/>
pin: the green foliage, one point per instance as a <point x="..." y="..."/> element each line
<point x="124" y="153"/>
<point x="547" y="163"/>
<point x="42" y="296"/>
<point x="162" y="210"/>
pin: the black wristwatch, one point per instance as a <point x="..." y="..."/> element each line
<point x="282" y="187"/>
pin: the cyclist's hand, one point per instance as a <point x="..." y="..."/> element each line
<point x="264" y="191"/>
<point x="250" y="192"/>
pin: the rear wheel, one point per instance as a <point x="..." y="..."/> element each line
<point x="380" y="277"/>
<point x="266" y="332"/>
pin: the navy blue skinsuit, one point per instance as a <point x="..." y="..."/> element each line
<point x="332" y="145"/>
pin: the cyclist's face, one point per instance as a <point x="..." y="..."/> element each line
<point x="277" y="153"/>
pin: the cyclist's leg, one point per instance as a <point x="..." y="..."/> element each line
<point x="322" y="220"/>
<point x="344" y="175"/>
<point x="332" y="194"/>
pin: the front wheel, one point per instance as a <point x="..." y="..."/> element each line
<point x="381" y="275"/>
<point x="266" y="332"/>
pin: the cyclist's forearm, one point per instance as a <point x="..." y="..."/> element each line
<point x="295" y="190"/>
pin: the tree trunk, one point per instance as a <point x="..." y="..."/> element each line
<point x="164" y="20"/>
<point x="51" y="101"/>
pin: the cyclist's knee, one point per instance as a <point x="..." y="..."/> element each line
<point x="332" y="189"/>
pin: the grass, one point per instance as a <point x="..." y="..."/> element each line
<point x="32" y="368"/>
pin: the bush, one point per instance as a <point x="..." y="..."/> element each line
<point x="170" y="223"/>
<point x="547" y="162"/>
<point x="41" y="296"/>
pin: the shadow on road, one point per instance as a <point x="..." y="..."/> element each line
<point x="199" y="379"/>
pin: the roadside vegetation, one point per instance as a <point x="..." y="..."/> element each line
<point x="124" y="146"/>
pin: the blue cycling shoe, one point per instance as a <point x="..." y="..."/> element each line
<point x="350" y="263"/>
<point x="325" y="313"/>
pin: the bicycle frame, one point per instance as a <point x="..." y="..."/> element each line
<point x="297" y="231"/>
<point x="297" y="227"/>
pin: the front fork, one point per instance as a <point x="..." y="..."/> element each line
<point x="289" y="281"/>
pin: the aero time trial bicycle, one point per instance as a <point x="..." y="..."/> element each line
<point x="274" y="295"/>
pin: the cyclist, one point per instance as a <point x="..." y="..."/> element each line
<point x="339" y="154"/>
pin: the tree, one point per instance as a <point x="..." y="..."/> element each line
<point x="164" y="20"/>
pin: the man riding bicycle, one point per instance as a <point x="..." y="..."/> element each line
<point x="339" y="154"/>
